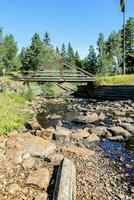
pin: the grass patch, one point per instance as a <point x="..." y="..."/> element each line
<point x="119" y="79"/>
<point x="12" y="111"/>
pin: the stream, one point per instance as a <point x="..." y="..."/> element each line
<point x="63" y="114"/>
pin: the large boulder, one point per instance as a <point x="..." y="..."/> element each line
<point x="38" y="146"/>
<point x="25" y="145"/>
<point x="117" y="130"/>
<point x="89" y="118"/>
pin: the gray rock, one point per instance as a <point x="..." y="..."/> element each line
<point x="37" y="146"/>
<point x="37" y="91"/>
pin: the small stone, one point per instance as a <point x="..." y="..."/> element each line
<point x="12" y="134"/>
<point x="29" y="164"/>
<point x="62" y="134"/>
<point x="33" y="125"/>
<point x="101" y="117"/>
<point x="92" y="138"/>
<point x="121" y="196"/>
<point x="41" y="196"/>
<point x="132" y="190"/>
<point x="56" y="158"/>
<point x="117" y="138"/>
<point x="119" y="113"/>
<point x="46" y="133"/>
<point x="14" y="188"/>
<point x="80" y="134"/>
<point x="39" y="178"/>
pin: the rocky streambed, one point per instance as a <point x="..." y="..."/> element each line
<point x="97" y="136"/>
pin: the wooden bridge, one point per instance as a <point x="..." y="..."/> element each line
<point x="65" y="73"/>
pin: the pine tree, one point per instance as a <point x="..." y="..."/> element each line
<point x="103" y="58"/>
<point x="70" y="55"/>
<point x="90" y="62"/>
<point x="63" y="52"/>
<point x="35" y="51"/>
<point x="57" y="50"/>
<point x="78" y="61"/>
<point x="46" y="39"/>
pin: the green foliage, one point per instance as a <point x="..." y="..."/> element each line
<point x="129" y="34"/>
<point x="78" y="61"/>
<point x="46" y="39"/>
<point x="12" y="114"/>
<point x="28" y="95"/>
<point x="63" y="52"/>
<point x="119" y="79"/>
<point x="70" y="55"/>
<point x="47" y="89"/>
<point x="10" y="52"/>
<point x="90" y="62"/>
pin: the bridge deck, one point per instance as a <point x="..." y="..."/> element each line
<point x="72" y="74"/>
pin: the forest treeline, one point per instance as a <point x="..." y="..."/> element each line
<point x="105" y="59"/>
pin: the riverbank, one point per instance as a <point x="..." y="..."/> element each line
<point x="83" y="131"/>
<point x="116" y="80"/>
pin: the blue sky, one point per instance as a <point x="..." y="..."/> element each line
<point x="77" y="21"/>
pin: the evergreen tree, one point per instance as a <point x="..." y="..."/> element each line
<point x="70" y="55"/>
<point x="129" y="29"/>
<point x="90" y="62"/>
<point x="25" y="59"/>
<point x="103" y="58"/>
<point x="49" y="55"/>
<point x="78" y="61"/>
<point x="46" y="39"/>
<point x="35" y="52"/>
<point x="10" y="51"/>
<point x="63" y="52"/>
<point x="114" y="51"/>
<point x="57" y="51"/>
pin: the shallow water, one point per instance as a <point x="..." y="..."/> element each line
<point x="116" y="151"/>
<point x="124" y="157"/>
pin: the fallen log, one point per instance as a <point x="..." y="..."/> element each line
<point x="65" y="187"/>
